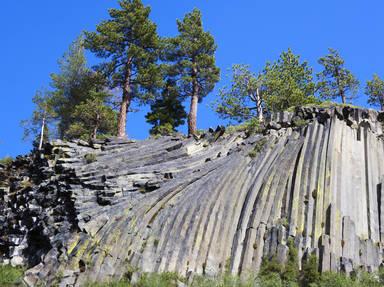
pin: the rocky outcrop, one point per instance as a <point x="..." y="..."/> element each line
<point x="220" y="202"/>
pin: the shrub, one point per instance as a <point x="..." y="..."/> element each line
<point x="90" y="157"/>
<point x="258" y="147"/>
<point x="291" y="269"/>
<point x="10" y="276"/>
<point x="7" y="160"/>
<point x="162" y="130"/>
<point x="167" y="279"/>
<point x="310" y="271"/>
<point x="249" y="127"/>
<point x="328" y="279"/>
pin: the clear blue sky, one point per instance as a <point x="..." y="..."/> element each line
<point x="35" y="34"/>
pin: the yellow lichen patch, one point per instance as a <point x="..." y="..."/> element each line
<point x="73" y="243"/>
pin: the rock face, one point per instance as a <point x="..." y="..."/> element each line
<point x="82" y="211"/>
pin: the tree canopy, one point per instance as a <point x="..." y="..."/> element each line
<point x="335" y="81"/>
<point x="129" y="43"/>
<point x="287" y="82"/>
<point x="375" y="91"/>
<point x="194" y="59"/>
<point x="167" y="111"/>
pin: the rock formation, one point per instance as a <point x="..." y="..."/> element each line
<point x="224" y="201"/>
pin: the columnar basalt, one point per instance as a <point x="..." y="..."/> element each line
<point x="220" y="202"/>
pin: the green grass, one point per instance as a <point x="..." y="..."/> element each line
<point x="324" y="104"/>
<point x="10" y="276"/>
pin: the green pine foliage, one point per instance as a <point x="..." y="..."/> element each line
<point x="93" y="118"/>
<point x="310" y="271"/>
<point x="242" y="100"/>
<point x="129" y="44"/>
<point x="37" y="127"/>
<point x="167" y="111"/>
<point x="193" y="54"/>
<point x="291" y="268"/>
<point x="288" y="82"/>
<point x="70" y="85"/>
<point x="335" y="81"/>
<point x="375" y="91"/>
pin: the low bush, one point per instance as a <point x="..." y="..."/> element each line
<point x="10" y="276"/>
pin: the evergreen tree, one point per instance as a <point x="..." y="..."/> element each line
<point x="69" y="86"/>
<point x="129" y="43"/>
<point x="194" y="51"/>
<point x="310" y="271"/>
<point x="42" y="117"/>
<point x="291" y="268"/>
<point x="167" y="111"/>
<point x="335" y="80"/>
<point x="93" y="118"/>
<point x="375" y="91"/>
<point x="287" y="82"/>
<point x="243" y="100"/>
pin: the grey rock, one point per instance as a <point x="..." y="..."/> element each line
<point x="159" y="205"/>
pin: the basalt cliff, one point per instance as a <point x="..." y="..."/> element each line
<point x="224" y="201"/>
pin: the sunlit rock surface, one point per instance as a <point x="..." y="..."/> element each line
<point x="224" y="201"/>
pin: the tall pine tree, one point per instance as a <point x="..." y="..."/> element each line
<point x="129" y="43"/>
<point x="194" y="57"/>
<point x="335" y="80"/>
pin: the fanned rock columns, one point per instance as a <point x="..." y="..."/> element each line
<point x="222" y="202"/>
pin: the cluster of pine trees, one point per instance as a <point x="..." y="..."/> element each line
<point x="138" y="66"/>
<point x="289" y="82"/>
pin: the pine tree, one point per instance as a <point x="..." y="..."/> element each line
<point x="43" y="115"/>
<point x="167" y="111"/>
<point x="129" y="43"/>
<point x="68" y="85"/>
<point x="194" y="57"/>
<point x="335" y="80"/>
<point x="93" y="118"/>
<point x="375" y="91"/>
<point x="243" y="100"/>
<point x="287" y="82"/>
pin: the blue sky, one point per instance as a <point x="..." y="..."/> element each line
<point x="35" y="34"/>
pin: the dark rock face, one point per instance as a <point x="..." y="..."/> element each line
<point x="81" y="211"/>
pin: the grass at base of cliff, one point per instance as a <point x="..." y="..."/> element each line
<point x="272" y="278"/>
<point x="10" y="276"/>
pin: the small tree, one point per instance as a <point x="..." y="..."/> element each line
<point x="194" y="57"/>
<point x="310" y="271"/>
<point x="93" y="117"/>
<point x="287" y="82"/>
<point x="167" y="111"/>
<point x="375" y="91"/>
<point x="335" y="80"/>
<point x="243" y="100"/>
<point x="291" y="268"/>
<point x="129" y="43"/>
<point x="42" y="116"/>
<point x="69" y="88"/>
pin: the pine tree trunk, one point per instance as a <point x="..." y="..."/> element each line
<point x="193" y="109"/>
<point x="42" y="133"/>
<point x="259" y="106"/>
<point x="343" y="99"/>
<point x="96" y="127"/>
<point x="126" y="101"/>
